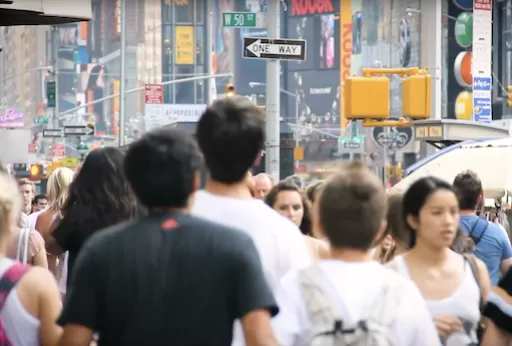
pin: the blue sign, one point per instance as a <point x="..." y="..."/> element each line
<point x="482" y="103"/>
<point x="482" y="83"/>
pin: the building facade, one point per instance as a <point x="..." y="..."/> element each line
<point x="21" y="76"/>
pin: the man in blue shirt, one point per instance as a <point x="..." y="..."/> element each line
<point x="492" y="244"/>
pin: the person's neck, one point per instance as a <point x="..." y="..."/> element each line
<point x="467" y="212"/>
<point x="237" y="190"/>
<point x="429" y="255"/>
<point x="27" y="210"/>
<point x="350" y="255"/>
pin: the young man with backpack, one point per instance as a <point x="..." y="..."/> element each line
<point x="491" y="244"/>
<point x="350" y="299"/>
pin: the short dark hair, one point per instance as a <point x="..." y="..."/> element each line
<point x="161" y="168"/>
<point x="38" y="198"/>
<point x="231" y="134"/>
<point x="468" y="189"/>
<point x="352" y="205"/>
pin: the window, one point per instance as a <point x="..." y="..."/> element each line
<point x="167" y="12"/>
<point x="184" y="11"/>
<point x="200" y="9"/>
<point x="185" y="90"/>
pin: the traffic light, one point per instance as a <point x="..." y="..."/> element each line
<point x="35" y="172"/>
<point x="366" y="98"/>
<point x="509" y="96"/>
<point x="230" y="90"/>
<point x="416" y="96"/>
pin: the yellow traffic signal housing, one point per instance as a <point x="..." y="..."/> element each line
<point x="509" y="96"/>
<point x="230" y="90"/>
<point x="366" y="98"/>
<point x="416" y="96"/>
<point x="35" y="172"/>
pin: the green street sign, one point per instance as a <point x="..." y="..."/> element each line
<point x="51" y="95"/>
<point x="243" y="19"/>
<point x="464" y="29"/>
<point x="40" y="120"/>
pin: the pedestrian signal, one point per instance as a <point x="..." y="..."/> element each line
<point x="366" y="98"/>
<point x="230" y="90"/>
<point x="416" y="96"/>
<point x="509" y="96"/>
<point x="35" y="172"/>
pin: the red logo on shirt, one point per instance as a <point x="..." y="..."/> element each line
<point x="169" y="224"/>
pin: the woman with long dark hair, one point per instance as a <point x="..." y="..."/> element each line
<point x="453" y="285"/>
<point x="98" y="197"/>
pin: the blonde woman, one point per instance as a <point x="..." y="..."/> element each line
<point x="31" y="301"/>
<point x="57" y="187"/>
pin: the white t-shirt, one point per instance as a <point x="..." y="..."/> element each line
<point x="358" y="285"/>
<point x="279" y="242"/>
<point x="32" y="219"/>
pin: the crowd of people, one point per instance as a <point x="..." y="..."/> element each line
<point x="130" y="250"/>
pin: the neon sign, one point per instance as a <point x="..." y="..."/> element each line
<point x="11" y="119"/>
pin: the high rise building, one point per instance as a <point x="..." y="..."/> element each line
<point x="24" y="51"/>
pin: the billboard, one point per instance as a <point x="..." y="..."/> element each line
<point x="318" y="93"/>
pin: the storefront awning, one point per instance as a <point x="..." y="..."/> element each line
<point x="44" y="12"/>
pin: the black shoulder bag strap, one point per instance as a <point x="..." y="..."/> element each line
<point x="476" y="240"/>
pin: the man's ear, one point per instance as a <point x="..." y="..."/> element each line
<point x="196" y="183"/>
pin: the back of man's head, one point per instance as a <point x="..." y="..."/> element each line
<point x="352" y="207"/>
<point x="468" y="187"/>
<point x="231" y="135"/>
<point x="162" y="168"/>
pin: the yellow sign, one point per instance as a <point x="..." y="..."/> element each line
<point x="69" y="162"/>
<point x="345" y="54"/>
<point x="435" y="131"/>
<point x="421" y="132"/>
<point x="298" y="153"/>
<point x="184" y="48"/>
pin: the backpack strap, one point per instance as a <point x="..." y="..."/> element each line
<point x="321" y="308"/>
<point x="23" y="245"/>
<point x="387" y="302"/>
<point x="9" y="280"/>
<point x="470" y="259"/>
<point x="481" y="225"/>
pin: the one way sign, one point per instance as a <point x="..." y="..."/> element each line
<point x="274" y="48"/>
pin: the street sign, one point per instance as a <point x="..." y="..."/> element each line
<point x="395" y="137"/>
<point x="52" y="133"/>
<point x="79" y="130"/>
<point x="40" y="120"/>
<point x="153" y="94"/>
<point x="243" y="19"/>
<point x="272" y="48"/>
<point x="51" y="95"/>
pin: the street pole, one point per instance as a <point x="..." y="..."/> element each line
<point x="69" y="113"/>
<point x="210" y="34"/>
<point x="122" y="82"/>
<point x="297" y="142"/>
<point x="273" y="95"/>
<point x="55" y="71"/>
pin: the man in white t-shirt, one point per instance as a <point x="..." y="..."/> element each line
<point x="351" y="212"/>
<point x="231" y="135"/>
